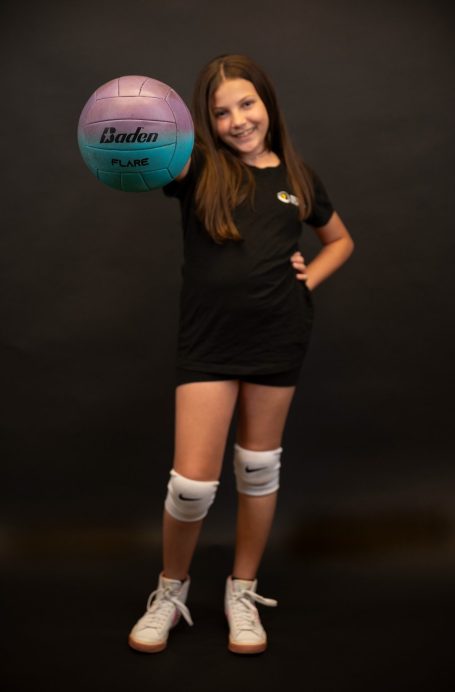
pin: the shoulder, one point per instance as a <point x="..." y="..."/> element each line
<point x="322" y="207"/>
<point x="314" y="177"/>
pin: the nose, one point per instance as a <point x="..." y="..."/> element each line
<point x="238" y="120"/>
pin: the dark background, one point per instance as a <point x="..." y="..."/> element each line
<point x="91" y="278"/>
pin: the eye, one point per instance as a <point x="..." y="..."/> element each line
<point x="247" y="104"/>
<point x="219" y="114"/>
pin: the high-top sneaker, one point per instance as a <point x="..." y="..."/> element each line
<point x="165" y="606"/>
<point x="246" y="635"/>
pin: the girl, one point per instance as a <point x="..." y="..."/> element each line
<point x="245" y="320"/>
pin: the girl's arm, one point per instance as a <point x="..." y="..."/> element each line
<point x="337" y="248"/>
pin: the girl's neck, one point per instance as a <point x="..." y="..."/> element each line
<point x="265" y="159"/>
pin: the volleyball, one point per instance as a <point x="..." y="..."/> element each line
<point x="135" y="133"/>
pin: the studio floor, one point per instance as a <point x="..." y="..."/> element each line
<point x="370" y="623"/>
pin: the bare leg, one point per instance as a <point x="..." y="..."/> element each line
<point x="262" y="417"/>
<point x="254" y="521"/>
<point x="179" y="543"/>
<point x="203" y="416"/>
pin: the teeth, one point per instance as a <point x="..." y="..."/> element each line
<point x="246" y="132"/>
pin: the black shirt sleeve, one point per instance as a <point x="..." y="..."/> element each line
<point x="322" y="206"/>
<point x="177" y="188"/>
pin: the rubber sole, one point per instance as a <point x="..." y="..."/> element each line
<point x="147" y="648"/>
<point x="246" y="648"/>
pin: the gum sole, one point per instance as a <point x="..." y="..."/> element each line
<point x="246" y="649"/>
<point x="146" y="648"/>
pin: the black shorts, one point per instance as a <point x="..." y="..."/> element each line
<point x="276" y="379"/>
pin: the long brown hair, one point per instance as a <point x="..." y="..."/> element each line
<point x="226" y="181"/>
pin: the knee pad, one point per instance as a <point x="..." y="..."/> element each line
<point x="257" y="473"/>
<point x="189" y="500"/>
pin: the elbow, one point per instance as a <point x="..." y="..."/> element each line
<point x="349" y="245"/>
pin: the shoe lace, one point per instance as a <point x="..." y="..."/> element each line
<point x="246" y="616"/>
<point x="158" y="607"/>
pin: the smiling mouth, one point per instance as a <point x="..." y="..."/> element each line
<point x="245" y="133"/>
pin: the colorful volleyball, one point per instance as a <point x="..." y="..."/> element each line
<point x="135" y="133"/>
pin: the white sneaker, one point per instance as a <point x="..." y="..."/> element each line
<point x="246" y="633"/>
<point x="165" y="605"/>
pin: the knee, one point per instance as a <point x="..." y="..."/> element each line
<point x="257" y="473"/>
<point x="189" y="500"/>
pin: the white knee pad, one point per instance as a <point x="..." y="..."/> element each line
<point x="257" y="473"/>
<point x="189" y="500"/>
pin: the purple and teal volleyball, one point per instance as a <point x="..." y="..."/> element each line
<point x="135" y="133"/>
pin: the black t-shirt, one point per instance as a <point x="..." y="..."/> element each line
<point x="242" y="310"/>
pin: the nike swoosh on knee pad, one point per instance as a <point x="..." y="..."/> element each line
<point x="189" y="499"/>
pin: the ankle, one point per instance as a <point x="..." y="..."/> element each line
<point x="175" y="576"/>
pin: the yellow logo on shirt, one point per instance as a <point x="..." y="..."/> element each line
<point x="286" y="198"/>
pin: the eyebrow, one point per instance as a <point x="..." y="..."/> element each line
<point x="244" y="98"/>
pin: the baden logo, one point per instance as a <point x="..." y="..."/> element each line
<point x="286" y="198"/>
<point x="110" y="135"/>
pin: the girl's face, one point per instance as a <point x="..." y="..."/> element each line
<point x="240" y="117"/>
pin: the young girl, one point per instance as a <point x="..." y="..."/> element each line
<point x="245" y="320"/>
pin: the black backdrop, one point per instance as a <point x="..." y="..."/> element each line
<point x="91" y="276"/>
